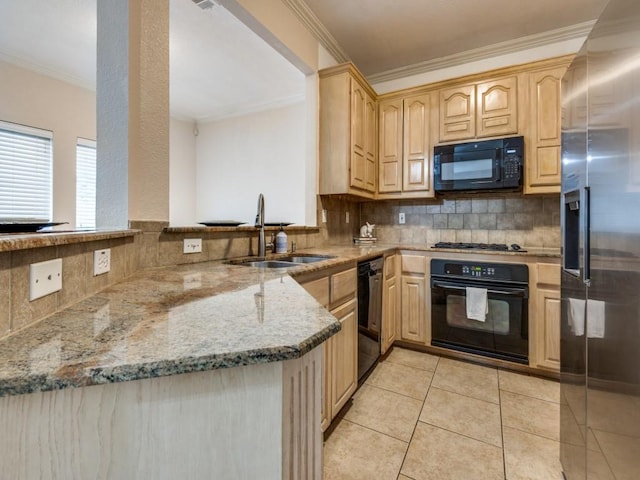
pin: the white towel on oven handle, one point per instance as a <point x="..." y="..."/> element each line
<point x="477" y="304"/>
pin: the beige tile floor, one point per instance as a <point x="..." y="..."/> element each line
<point x="423" y="417"/>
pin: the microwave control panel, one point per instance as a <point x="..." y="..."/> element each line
<point x="512" y="161"/>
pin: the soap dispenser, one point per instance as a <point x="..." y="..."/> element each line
<point x="281" y="241"/>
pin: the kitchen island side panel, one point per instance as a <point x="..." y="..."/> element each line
<point x="224" y="423"/>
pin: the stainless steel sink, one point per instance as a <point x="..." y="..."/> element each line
<point x="281" y="262"/>
<point x="305" y="258"/>
<point x="268" y="264"/>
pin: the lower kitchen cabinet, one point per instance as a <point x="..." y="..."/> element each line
<point x="344" y="356"/>
<point x="390" y="302"/>
<point x="413" y="295"/>
<point x="547" y="307"/>
<point x="336" y="289"/>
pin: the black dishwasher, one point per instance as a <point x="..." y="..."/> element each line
<point x="369" y="314"/>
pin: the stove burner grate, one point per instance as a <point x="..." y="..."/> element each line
<point x="472" y="246"/>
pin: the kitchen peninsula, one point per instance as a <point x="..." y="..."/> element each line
<point x="133" y="416"/>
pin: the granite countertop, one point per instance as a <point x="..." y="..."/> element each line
<point x="180" y="319"/>
<point x="23" y="241"/>
<point x="167" y="321"/>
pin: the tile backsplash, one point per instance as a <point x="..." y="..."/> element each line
<point x="527" y="221"/>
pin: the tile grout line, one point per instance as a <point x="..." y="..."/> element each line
<point x="393" y="391"/>
<point x="461" y="434"/>
<point x="504" y="450"/>
<point x="342" y="419"/>
<point x="418" y="420"/>
<point x="468" y="396"/>
<point x="528" y="396"/>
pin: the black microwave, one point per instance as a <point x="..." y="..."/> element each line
<point x="482" y="165"/>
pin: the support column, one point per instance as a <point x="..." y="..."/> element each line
<point x="132" y="172"/>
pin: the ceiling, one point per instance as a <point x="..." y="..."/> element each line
<point x="219" y="67"/>
<point x="382" y="35"/>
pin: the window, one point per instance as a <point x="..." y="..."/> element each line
<point x="86" y="184"/>
<point x="25" y="173"/>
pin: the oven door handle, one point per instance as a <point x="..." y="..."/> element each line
<point x="514" y="292"/>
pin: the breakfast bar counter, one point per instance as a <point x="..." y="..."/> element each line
<point x="156" y="396"/>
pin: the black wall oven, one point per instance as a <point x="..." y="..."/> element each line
<point x="504" y="332"/>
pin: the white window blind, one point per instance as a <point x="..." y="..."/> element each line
<point x="86" y="184"/>
<point x="25" y="173"/>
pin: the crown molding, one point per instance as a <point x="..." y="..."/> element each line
<point x="247" y="109"/>
<point x="511" y="46"/>
<point x="48" y="71"/>
<point x="315" y="26"/>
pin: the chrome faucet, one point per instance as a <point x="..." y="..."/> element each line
<point x="262" y="246"/>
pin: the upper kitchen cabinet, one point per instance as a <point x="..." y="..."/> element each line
<point x="348" y="134"/>
<point x="405" y="147"/>
<point x="542" y="141"/>
<point x="481" y="109"/>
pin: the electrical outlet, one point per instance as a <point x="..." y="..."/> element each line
<point x="45" y="278"/>
<point x="346" y="217"/>
<point x="192" y="245"/>
<point x="324" y="215"/>
<point x="401" y="218"/>
<point x="101" y="261"/>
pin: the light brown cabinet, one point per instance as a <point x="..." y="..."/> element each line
<point x="542" y="158"/>
<point x="482" y="109"/>
<point x="390" y="302"/>
<point x="336" y="290"/>
<point x="405" y="146"/>
<point x="344" y="356"/>
<point x="413" y="285"/>
<point x="348" y="133"/>
<point x="546" y="296"/>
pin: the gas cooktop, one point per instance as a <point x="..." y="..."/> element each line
<point x="496" y="247"/>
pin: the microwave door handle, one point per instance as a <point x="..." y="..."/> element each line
<point x="513" y="293"/>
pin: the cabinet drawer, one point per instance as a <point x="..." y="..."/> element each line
<point x="343" y="286"/>
<point x="319" y="289"/>
<point x="414" y="264"/>
<point x="549" y="274"/>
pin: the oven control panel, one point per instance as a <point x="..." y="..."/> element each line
<point x="479" y="270"/>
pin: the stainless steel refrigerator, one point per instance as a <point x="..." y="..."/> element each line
<point x="600" y="216"/>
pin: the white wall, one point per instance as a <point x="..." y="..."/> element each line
<point x="241" y="157"/>
<point x="182" y="173"/>
<point x="36" y="100"/>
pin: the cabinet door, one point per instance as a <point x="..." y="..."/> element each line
<point x="370" y="142"/>
<point x="389" y="312"/>
<point x="390" y="148"/>
<point x="497" y="108"/>
<point x="344" y="357"/>
<point x="543" y="154"/>
<point x="548" y="341"/>
<point x="416" y="148"/>
<point x="358" y="136"/>
<point x="390" y="303"/>
<point x="457" y="113"/>
<point x="412" y="298"/>
<point x="413" y="308"/>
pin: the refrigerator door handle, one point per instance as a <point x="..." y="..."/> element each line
<point x="586" y="237"/>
